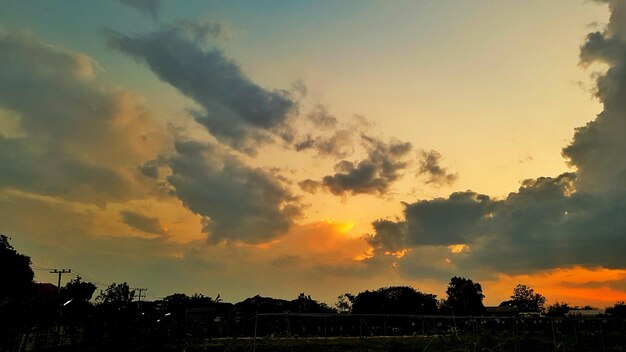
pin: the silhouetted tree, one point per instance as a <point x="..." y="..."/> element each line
<point x="344" y="303"/>
<point x="395" y="300"/>
<point x="259" y="304"/>
<point x="305" y="304"/>
<point x="117" y="314"/>
<point x="117" y="296"/>
<point x="526" y="299"/>
<point x="465" y="297"/>
<point x="17" y="279"/>
<point x="78" y="290"/>
<point x="558" y="309"/>
<point x="618" y="310"/>
<point x="16" y="291"/>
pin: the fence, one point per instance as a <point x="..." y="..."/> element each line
<point x="535" y="333"/>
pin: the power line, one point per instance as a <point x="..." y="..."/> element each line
<point x="91" y="279"/>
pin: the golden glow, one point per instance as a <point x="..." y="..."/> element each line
<point x="398" y="254"/>
<point x="342" y="227"/>
<point x="365" y="255"/>
<point x="458" y="248"/>
<point x="576" y="285"/>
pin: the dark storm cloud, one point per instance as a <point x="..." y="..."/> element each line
<point x="238" y="202"/>
<point x="384" y="165"/>
<point x="80" y="140"/>
<point x="235" y="109"/>
<point x="142" y="222"/>
<point x="148" y="7"/>
<point x="430" y="167"/>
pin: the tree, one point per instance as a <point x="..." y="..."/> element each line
<point x="394" y="300"/>
<point x="78" y="290"/>
<point x="558" y="309"/>
<point x="465" y="297"/>
<point x="16" y="290"/>
<point x="306" y="304"/>
<point x="618" y="310"/>
<point x="344" y="303"/>
<point x="526" y="299"/>
<point x="116" y="296"/>
<point x="17" y="281"/>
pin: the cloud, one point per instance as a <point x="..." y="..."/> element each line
<point x="320" y="117"/>
<point x="327" y="136"/>
<point x="574" y="219"/>
<point x="142" y="222"/>
<point x="79" y="139"/>
<point x="597" y="148"/>
<point x="430" y="166"/>
<point x="148" y="7"/>
<point x="236" y="110"/>
<point x="309" y="186"/>
<point x="545" y="224"/>
<point x="339" y="144"/>
<point x="373" y="175"/>
<point x="285" y="260"/>
<point x="238" y="202"/>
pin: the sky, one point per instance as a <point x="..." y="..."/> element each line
<point x="277" y="147"/>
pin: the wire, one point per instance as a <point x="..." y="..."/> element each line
<point x="90" y="279"/>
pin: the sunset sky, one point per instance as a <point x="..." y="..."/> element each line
<point x="277" y="147"/>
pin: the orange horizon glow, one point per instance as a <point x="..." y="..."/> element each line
<point x="576" y="286"/>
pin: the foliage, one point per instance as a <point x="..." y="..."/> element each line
<point x="526" y="299"/>
<point x="116" y="296"/>
<point x="17" y="282"/>
<point x="302" y="304"/>
<point x="465" y="297"/>
<point x="78" y="290"/>
<point x="618" y="310"/>
<point x="394" y="300"/>
<point x="558" y="309"/>
<point x="16" y="291"/>
<point x="305" y="304"/>
<point x="344" y="303"/>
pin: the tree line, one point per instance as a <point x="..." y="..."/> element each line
<point x="115" y="316"/>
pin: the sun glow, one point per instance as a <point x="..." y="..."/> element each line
<point x="458" y="248"/>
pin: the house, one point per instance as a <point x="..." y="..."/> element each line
<point x="46" y="289"/>
<point x="585" y="312"/>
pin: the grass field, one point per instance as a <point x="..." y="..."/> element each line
<point x="432" y="343"/>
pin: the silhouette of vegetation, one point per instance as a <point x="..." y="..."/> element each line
<point x="558" y="309"/>
<point x="618" y="310"/>
<point x="525" y="299"/>
<point x="394" y="300"/>
<point x="16" y="291"/>
<point x="73" y="320"/>
<point x="17" y="282"/>
<point x="344" y="303"/>
<point x="465" y="297"/>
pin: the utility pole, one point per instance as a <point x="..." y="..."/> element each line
<point x="60" y="272"/>
<point x="140" y="293"/>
